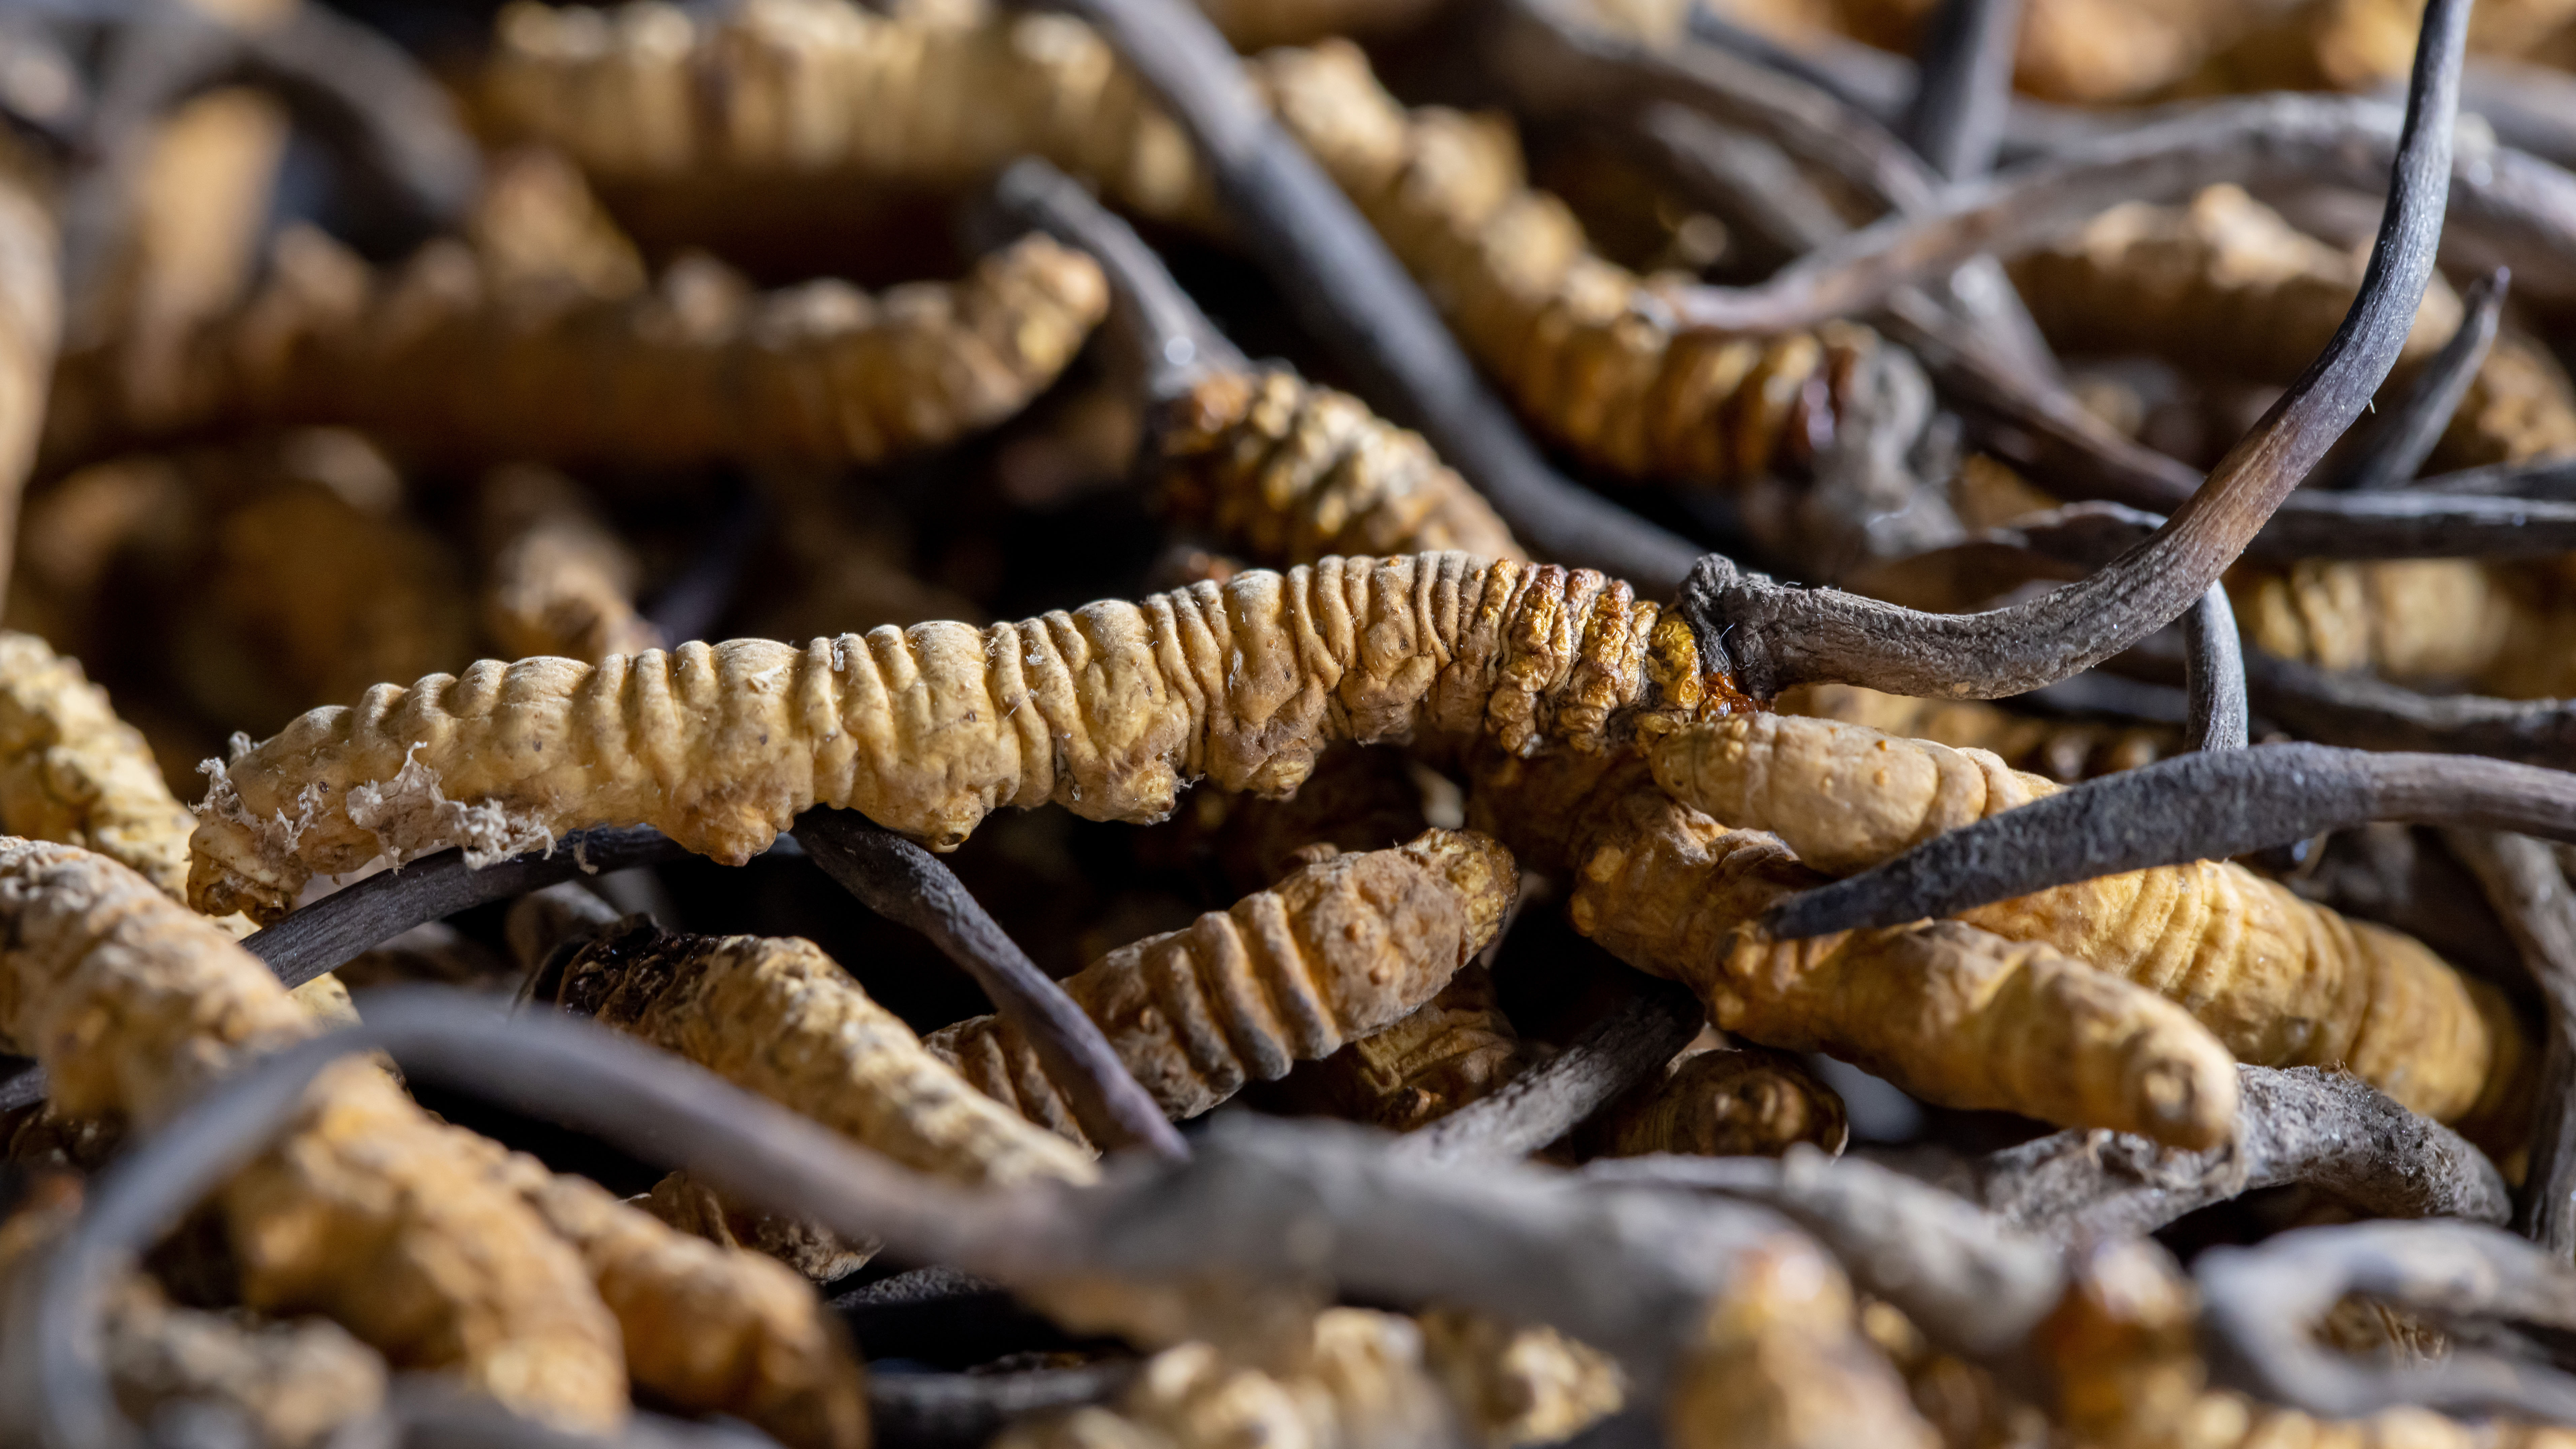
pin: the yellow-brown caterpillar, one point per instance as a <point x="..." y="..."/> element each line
<point x="556" y="580"/>
<point x="1739" y="1102"/>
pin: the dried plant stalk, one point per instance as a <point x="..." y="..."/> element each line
<point x="557" y="581"/>
<point x="1339" y="949"/>
<point x="2494" y="628"/>
<point x="1105" y="710"/>
<point x="431" y="1244"/>
<point x="1583" y="346"/>
<point x="786" y="87"/>
<point x="74" y="773"/>
<point x="2165" y="280"/>
<point x="2282" y="982"/>
<point x="2062" y="750"/>
<point x="443" y="355"/>
<point x="1952" y="1013"/>
<point x="1288" y="473"/>
<point x="778" y="1017"/>
<point x="1745" y="1102"/>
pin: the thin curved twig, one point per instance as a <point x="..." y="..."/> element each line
<point x="2523" y="883"/>
<point x="1352" y="295"/>
<point x="2538" y="479"/>
<point x="908" y="885"/>
<point x="1767" y="637"/>
<point x="1963" y="89"/>
<point x="1551" y="1099"/>
<point x="2200" y="806"/>
<point x="2302" y="1125"/>
<point x="2405" y="438"/>
<point x="2260" y="1306"/>
<point x="2214" y="675"/>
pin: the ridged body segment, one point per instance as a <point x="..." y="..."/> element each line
<point x="1287" y="472"/>
<point x="72" y="772"/>
<point x="1455" y="1049"/>
<point x="1727" y="1102"/>
<point x="442" y="355"/>
<point x="1106" y="710"/>
<point x="1337" y="950"/>
<point x="2063" y="750"/>
<point x="780" y="1018"/>
<point x="2281" y="981"/>
<point x="2496" y="628"/>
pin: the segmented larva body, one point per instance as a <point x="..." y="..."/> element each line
<point x="1106" y="710"/>
<point x="2167" y="280"/>
<point x="2495" y="628"/>
<point x="1337" y="950"/>
<point x="436" y="1247"/>
<point x="1518" y="1385"/>
<point x="1954" y="1014"/>
<point x="780" y="1018"/>
<point x="1454" y="1049"/>
<point x="2063" y="750"/>
<point x="1727" y="1102"/>
<point x="439" y="355"/>
<point x="1582" y="346"/>
<point x="1285" y="472"/>
<point x="557" y="580"/>
<point x="2282" y="982"/>
<point x="826" y="89"/>
<point x="72" y="772"/>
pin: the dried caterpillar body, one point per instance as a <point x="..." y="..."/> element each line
<point x="1287" y="473"/>
<point x="1337" y="950"/>
<point x="780" y="1018"/>
<point x="2063" y="750"/>
<point x="1954" y="1014"/>
<point x="1106" y="710"/>
<point x="292" y="1384"/>
<point x="1513" y="1386"/>
<point x="1728" y="1102"/>
<point x="775" y="88"/>
<point x="72" y="772"/>
<point x="132" y="1002"/>
<point x="2496" y="628"/>
<point x="558" y="581"/>
<point x="1454" y="1049"/>
<point x="439" y="354"/>
<point x="433" y="1245"/>
<point x="1583" y="346"/>
<point x="2282" y="982"/>
<point x="2164" y="280"/>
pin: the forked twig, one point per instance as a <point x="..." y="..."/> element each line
<point x="1352" y="295"/>
<point x="2323" y="1129"/>
<point x="2531" y="897"/>
<point x="2201" y="806"/>
<point x="2260" y="1305"/>
<point x="908" y="885"/>
<point x="1767" y="637"/>
<point x="1551" y="1099"/>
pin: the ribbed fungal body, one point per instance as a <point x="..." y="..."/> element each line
<point x="2497" y="628"/>
<point x="72" y="772"/>
<point x="2063" y="750"/>
<point x="1953" y="1014"/>
<point x="780" y="1018"/>
<point x="433" y="1245"/>
<point x="443" y="355"/>
<point x="1286" y="472"/>
<point x="2282" y="982"/>
<point x="1337" y="950"/>
<point x="778" y="88"/>
<point x="1584" y="347"/>
<point x="1107" y="710"/>
<point x="1454" y="1049"/>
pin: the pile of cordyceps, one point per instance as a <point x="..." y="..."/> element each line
<point x="1835" y="750"/>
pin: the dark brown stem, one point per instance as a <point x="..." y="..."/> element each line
<point x="2543" y="479"/>
<point x="909" y="886"/>
<point x="1964" y="86"/>
<point x="2530" y="894"/>
<point x="1767" y="637"/>
<point x="2323" y="1129"/>
<point x="973" y="1408"/>
<point x="1551" y="1099"/>
<point x="2260" y="1307"/>
<point x="2213" y="674"/>
<point x="1352" y="295"/>
<point x="1972" y="1283"/>
<point x="2401" y="442"/>
<point x="1172" y="340"/>
<point x="2369" y="713"/>
<point x="1741" y="177"/>
<point x="2203" y="806"/>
